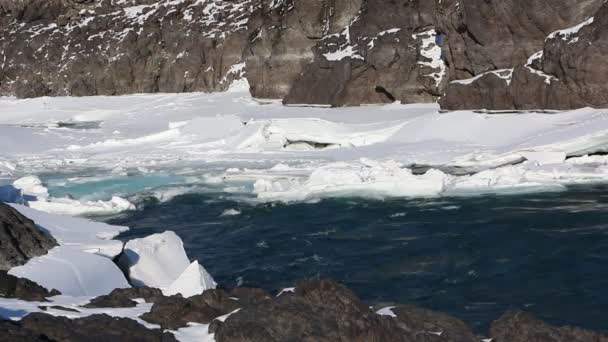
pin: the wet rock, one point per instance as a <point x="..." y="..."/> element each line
<point x="175" y="312"/>
<point x="124" y="298"/>
<point x="20" y="238"/>
<point x="24" y="289"/>
<point x="92" y="329"/>
<point x="517" y="326"/>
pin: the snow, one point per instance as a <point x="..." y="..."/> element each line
<point x="73" y="272"/>
<point x="538" y="56"/>
<point x="433" y="55"/>
<point x="156" y="260"/>
<point x="197" y="134"/>
<point x="194" y="332"/>
<point x="15" y="309"/>
<point x="160" y="261"/>
<point x="569" y="33"/>
<point x="388" y="311"/>
<point x="505" y="74"/>
<point x="78" y="233"/>
<point x="82" y="263"/>
<point x="193" y="281"/>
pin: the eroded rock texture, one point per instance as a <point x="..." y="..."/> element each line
<point x="567" y="69"/>
<point x="471" y="54"/>
<point x="110" y="47"/>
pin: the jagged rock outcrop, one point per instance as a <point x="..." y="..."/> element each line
<point x="109" y="47"/>
<point x="24" y="289"/>
<point x="568" y="71"/>
<point x="20" y="238"/>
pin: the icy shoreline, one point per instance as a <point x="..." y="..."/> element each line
<point x="277" y="153"/>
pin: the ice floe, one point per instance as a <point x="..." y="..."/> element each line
<point x="160" y="261"/>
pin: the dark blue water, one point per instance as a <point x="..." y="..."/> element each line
<point x="471" y="257"/>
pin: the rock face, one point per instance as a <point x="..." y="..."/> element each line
<point x="345" y="52"/>
<point x="567" y="71"/>
<point x="473" y="54"/>
<point x="110" y="47"/>
<point x="24" y="289"/>
<point x="20" y="239"/>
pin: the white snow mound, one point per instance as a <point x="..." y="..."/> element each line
<point x="160" y="261"/>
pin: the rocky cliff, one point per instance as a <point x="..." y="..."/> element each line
<point x="471" y="54"/>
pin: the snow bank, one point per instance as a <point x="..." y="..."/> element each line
<point x="73" y="272"/>
<point x="78" y="233"/>
<point x="160" y="261"/>
<point x="82" y="263"/>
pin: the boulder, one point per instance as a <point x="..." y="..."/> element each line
<point x="124" y="298"/>
<point x="24" y="289"/>
<point x="20" y="238"/>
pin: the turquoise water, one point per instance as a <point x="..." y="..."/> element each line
<point x="471" y="257"/>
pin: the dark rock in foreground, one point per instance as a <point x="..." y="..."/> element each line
<point x="96" y="328"/>
<point x="20" y="238"/>
<point x="520" y="326"/>
<point x="316" y="310"/>
<point x="24" y="289"/>
<point x="175" y="312"/>
<point x="124" y="298"/>
<point x="320" y="310"/>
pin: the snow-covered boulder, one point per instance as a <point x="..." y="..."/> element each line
<point x="159" y="260"/>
